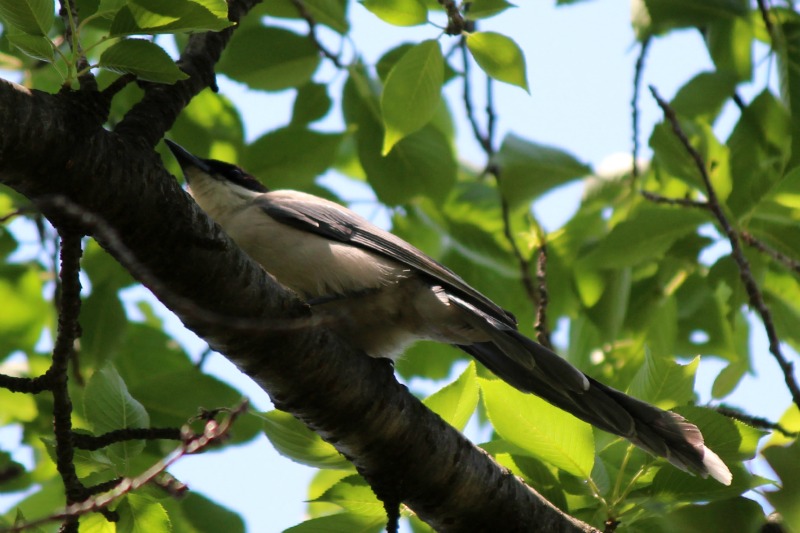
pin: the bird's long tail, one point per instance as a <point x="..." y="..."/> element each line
<point x="532" y="368"/>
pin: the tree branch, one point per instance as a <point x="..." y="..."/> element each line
<point x="353" y="401"/>
<point x="637" y="82"/>
<point x="746" y="275"/>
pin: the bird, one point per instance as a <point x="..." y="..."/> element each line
<point x="381" y="294"/>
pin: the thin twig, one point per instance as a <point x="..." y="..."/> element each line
<point x="787" y="261"/>
<point x="755" y="421"/>
<point x="482" y="139"/>
<point x="637" y="82"/>
<point x="92" y="442"/>
<point x="213" y="432"/>
<point x="536" y="292"/>
<point x="683" y="202"/>
<point x="542" y="331"/>
<point x="765" y="16"/>
<point x="303" y="11"/>
<point x="746" y="275"/>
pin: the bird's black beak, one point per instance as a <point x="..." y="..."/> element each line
<point x="185" y="159"/>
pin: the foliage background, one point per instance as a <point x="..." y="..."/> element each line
<point x="579" y="102"/>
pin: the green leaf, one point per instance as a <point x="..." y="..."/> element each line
<point x="422" y="164"/>
<point x="482" y="9"/>
<point x="34" y="17"/>
<point x="294" y="440"/>
<point x="146" y="60"/>
<point x="760" y="146"/>
<point x="291" y="61"/>
<point x="540" y="429"/>
<point x="24" y="311"/>
<point x="332" y="13"/>
<point x="785" y="461"/>
<point x="336" y="523"/>
<point x="109" y="406"/>
<point x="161" y="376"/>
<point x="665" y="14"/>
<point x="311" y="104"/>
<point x="398" y="12"/>
<point x="735" y="514"/>
<point x="138" y="514"/>
<point x="412" y="92"/>
<point x="730" y="43"/>
<point x="456" y="402"/>
<point x="645" y="236"/>
<point x="704" y="95"/>
<point x="15" y="407"/>
<point x="355" y="495"/>
<point x="155" y="16"/>
<point x="732" y="440"/>
<point x="195" y="513"/>
<point x="210" y="124"/>
<point x="663" y="382"/>
<point x="499" y="56"/>
<point x="106" y="322"/>
<point x="671" y="155"/>
<point x="789" y="78"/>
<point x="291" y="157"/>
<point x="530" y="169"/>
<point x="35" y="46"/>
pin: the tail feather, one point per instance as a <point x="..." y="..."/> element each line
<point x="662" y="433"/>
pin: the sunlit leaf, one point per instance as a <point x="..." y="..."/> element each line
<point x="34" y="17"/>
<point x="398" y="12"/>
<point x="291" y="61"/>
<point x="145" y="59"/>
<point x="294" y="440"/>
<point x="412" y="92"/>
<point x="138" y="514"/>
<point x="456" y="402"/>
<point x="529" y="169"/>
<point x="542" y="430"/>
<point x="109" y="406"/>
<point x="354" y="494"/>
<point x="481" y="9"/>
<point x="499" y="56"/>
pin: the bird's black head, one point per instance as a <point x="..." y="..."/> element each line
<point x="218" y="170"/>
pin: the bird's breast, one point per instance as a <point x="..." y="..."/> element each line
<point x="309" y="264"/>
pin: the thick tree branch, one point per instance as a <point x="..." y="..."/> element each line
<point x="57" y="146"/>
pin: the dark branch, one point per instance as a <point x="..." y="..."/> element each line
<point x="756" y="421"/>
<point x="542" y="331"/>
<point x="68" y="311"/>
<point x="765" y="16"/>
<point x="156" y="112"/>
<point x="683" y="202"/>
<point x="91" y="442"/>
<point x="455" y="21"/>
<point x="537" y="293"/>
<point x="782" y="258"/>
<point x="746" y="275"/>
<point x="110" y="491"/>
<point x="637" y="82"/>
<point x="303" y="11"/>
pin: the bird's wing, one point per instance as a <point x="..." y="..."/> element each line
<point x="337" y="223"/>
